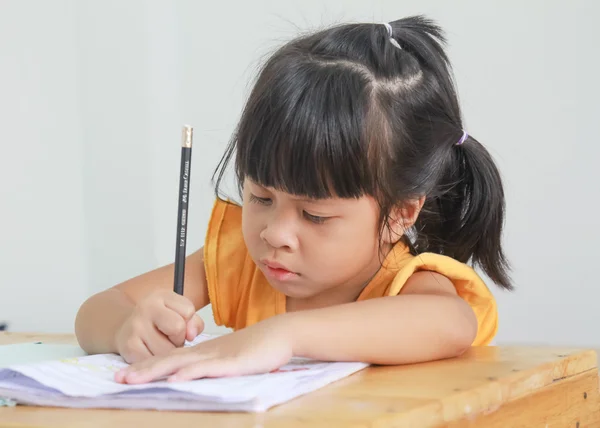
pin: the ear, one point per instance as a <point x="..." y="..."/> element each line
<point x="401" y="219"/>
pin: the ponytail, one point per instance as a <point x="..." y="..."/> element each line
<point x="464" y="218"/>
<point x="463" y="214"/>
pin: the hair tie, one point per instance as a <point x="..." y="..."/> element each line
<point x="392" y="40"/>
<point x="463" y="138"/>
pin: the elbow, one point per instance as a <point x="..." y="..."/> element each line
<point x="459" y="344"/>
<point x="80" y="325"/>
<point x="77" y="325"/>
<point x="462" y="333"/>
<point x="88" y="323"/>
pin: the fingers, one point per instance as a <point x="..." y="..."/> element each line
<point x="195" y="326"/>
<point x="171" y="324"/>
<point x="179" y="368"/>
<point x="135" y="350"/>
<point x="180" y="304"/>
<point x="160" y="323"/>
<point x="209" y="368"/>
<point x="158" y="344"/>
<point x="156" y="368"/>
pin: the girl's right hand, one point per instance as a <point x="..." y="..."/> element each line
<point x="159" y="323"/>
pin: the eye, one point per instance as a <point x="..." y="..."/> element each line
<point x="260" y="201"/>
<point x="314" y="218"/>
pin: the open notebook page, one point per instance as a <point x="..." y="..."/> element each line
<point x="88" y="381"/>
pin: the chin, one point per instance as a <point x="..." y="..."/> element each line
<point x="294" y="290"/>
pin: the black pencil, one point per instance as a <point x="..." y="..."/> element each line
<point x="182" y="209"/>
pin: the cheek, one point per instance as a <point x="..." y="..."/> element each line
<point x="344" y="247"/>
<point x="251" y="228"/>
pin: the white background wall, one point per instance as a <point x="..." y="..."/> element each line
<point x="93" y="96"/>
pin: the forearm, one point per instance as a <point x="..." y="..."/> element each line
<point x="388" y="330"/>
<point x="99" y="318"/>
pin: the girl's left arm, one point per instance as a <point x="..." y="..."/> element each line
<point x="427" y="321"/>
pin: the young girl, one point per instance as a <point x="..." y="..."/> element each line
<point x="363" y="200"/>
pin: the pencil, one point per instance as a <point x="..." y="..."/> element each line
<point x="182" y="208"/>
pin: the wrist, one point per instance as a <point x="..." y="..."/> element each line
<point x="290" y="329"/>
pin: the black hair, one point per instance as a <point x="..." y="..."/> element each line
<point x="345" y="112"/>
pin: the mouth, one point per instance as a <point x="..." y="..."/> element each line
<point x="278" y="271"/>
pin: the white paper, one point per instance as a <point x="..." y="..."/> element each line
<point x="88" y="382"/>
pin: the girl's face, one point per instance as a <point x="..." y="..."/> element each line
<point x="326" y="250"/>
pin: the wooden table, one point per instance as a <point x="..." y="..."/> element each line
<point x="492" y="387"/>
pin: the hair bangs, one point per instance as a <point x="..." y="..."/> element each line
<point x="303" y="136"/>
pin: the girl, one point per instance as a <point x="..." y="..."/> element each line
<point x="363" y="200"/>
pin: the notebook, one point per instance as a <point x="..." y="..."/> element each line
<point x="88" y="382"/>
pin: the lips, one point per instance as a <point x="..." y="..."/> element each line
<point x="274" y="265"/>
<point x="278" y="271"/>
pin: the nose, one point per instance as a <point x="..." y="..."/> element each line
<point x="280" y="233"/>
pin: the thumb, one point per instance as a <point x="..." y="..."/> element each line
<point x="194" y="327"/>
